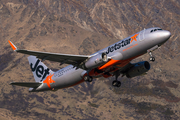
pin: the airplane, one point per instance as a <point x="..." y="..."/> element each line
<point x="114" y="60"/>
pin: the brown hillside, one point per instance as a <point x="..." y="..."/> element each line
<point x="84" y="27"/>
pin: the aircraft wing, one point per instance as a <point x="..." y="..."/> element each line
<point x="62" y="58"/>
<point x="27" y="84"/>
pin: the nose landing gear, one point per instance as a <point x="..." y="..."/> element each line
<point x="151" y="57"/>
<point x="150" y="52"/>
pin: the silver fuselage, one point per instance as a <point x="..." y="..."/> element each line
<point x="130" y="47"/>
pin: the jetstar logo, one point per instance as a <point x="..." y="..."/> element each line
<point x="133" y="38"/>
<point x="121" y="44"/>
<point x="41" y="72"/>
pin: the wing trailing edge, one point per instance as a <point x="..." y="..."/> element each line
<point x="56" y="57"/>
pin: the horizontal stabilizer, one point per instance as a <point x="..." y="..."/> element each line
<point x="27" y="84"/>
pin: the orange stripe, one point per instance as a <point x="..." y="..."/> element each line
<point x="111" y="62"/>
<point x="13" y="46"/>
<point x="117" y="63"/>
<point x="130" y="47"/>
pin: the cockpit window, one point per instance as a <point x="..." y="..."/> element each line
<point x="155" y="30"/>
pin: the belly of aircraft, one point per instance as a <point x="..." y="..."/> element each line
<point x="68" y="79"/>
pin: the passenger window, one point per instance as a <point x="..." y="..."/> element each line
<point x="159" y="29"/>
<point x="155" y="30"/>
<point x="151" y="30"/>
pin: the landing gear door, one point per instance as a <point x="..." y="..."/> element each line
<point x="141" y="35"/>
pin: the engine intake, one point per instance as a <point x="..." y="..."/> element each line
<point x="95" y="61"/>
<point x="138" y="69"/>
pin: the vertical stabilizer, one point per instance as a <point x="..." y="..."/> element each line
<point x="39" y="69"/>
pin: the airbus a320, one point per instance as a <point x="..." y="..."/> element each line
<point x="114" y="60"/>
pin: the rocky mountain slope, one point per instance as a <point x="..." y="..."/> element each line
<point x="84" y="27"/>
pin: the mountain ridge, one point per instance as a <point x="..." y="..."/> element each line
<point x="84" y="27"/>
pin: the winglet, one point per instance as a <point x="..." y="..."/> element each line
<point x="12" y="45"/>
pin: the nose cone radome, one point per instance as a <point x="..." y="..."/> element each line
<point x="163" y="36"/>
<point x="166" y="35"/>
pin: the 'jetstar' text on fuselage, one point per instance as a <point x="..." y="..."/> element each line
<point x="118" y="45"/>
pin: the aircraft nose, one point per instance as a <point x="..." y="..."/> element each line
<point x="166" y="35"/>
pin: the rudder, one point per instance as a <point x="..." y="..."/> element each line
<point x="39" y="69"/>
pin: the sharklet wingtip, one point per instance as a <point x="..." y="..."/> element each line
<point x="11" y="83"/>
<point x="12" y="45"/>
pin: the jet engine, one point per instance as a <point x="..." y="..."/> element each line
<point x="95" y="61"/>
<point x="138" y="69"/>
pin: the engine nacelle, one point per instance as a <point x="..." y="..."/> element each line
<point x="138" y="69"/>
<point x="95" y="61"/>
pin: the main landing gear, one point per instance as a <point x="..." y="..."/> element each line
<point x="151" y="57"/>
<point x="116" y="83"/>
<point x="88" y="78"/>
